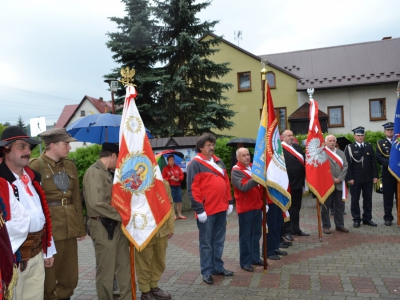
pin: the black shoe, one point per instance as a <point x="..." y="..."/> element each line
<point x="288" y="236"/>
<point x="259" y="263"/>
<point x="344" y="212"/>
<point x="356" y="224"/>
<point x="208" y="279"/>
<point x="302" y="233"/>
<point x="283" y="245"/>
<point x="225" y="273"/>
<point x="274" y="257"/>
<point x="286" y="243"/>
<point x="370" y="223"/>
<point x="388" y="223"/>
<point x="279" y="252"/>
<point x="248" y="268"/>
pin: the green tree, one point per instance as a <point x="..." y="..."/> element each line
<point x="194" y="101"/>
<point x="134" y="45"/>
<point x="20" y="123"/>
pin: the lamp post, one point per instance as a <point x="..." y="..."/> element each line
<point x="113" y="84"/>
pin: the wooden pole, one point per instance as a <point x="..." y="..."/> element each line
<point x="397" y="203"/>
<point x="264" y="228"/>
<point x="319" y="220"/>
<point x="133" y="280"/>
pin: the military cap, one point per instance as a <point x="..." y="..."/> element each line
<point x="13" y="133"/>
<point x="113" y="148"/>
<point x="359" y="130"/>
<point x="56" y="135"/>
<point x="388" y="125"/>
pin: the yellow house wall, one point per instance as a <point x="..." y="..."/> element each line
<point x="247" y="105"/>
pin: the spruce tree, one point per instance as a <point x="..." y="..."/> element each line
<point x="134" y="46"/>
<point x="194" y="100"/>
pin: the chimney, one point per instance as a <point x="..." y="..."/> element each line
<point x="386" y="38"/>
<point x="101" y="99"/>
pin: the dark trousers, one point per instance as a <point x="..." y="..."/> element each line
<point x="336" y="198"/>
<point x="249" y="237"/>
<point x="274" y="222"/>
<point x="355" y="191"/>
<point x="293" y="226"/>
<point x="389" y="191"/>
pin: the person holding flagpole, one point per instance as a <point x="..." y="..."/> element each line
<point x="210" y="194"/>
<point x="361" y="175"/>
<point x="294" y="158"/>
<point x="338" y="166"/>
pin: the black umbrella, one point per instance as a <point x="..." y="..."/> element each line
<point x="246" y="142"/>
<point x="342" y="142"/>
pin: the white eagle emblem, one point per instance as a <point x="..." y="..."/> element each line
<point x="315" y="154"/>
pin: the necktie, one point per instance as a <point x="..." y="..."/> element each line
<point x="25" y="180"/>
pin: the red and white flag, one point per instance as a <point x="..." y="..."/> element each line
<point x="138" y="192"/>
<point x="318" y="170"/>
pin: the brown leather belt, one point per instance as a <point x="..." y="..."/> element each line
<point x="62" y="202"/>
<point x="32" y="245"/>
<point x="96" y="218"/>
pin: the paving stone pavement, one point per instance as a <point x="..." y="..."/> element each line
<point x="362" y="264"/>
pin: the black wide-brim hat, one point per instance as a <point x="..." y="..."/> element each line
<point x="13" y="133"/>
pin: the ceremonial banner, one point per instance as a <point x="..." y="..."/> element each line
<point x="394" y="159"/>
<point x="269" y="168"/>
<point x="318" y="170"/>
<point x="138" y="191"/>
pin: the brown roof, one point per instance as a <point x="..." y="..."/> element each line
<point x="174" y="142"/>
<point x="303" y="111"/>
<point x="101" y="105"/>
<point x="348" y="65"/>
<point x="66" y="115"/>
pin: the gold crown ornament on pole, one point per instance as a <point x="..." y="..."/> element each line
<point x="264" y="63"/>
<point x="127" y="76"/>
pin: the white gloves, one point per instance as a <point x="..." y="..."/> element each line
<point x="230" y="209"/>
<point x="202" y="217"/>
<point x="266" y="208"/>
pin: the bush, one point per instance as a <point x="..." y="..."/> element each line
<point x="84" y="157"/>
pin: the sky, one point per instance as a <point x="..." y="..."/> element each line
<point x="54" y="52"/>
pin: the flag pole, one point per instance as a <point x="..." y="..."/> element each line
<point x="133" y="280"/>
<point x="398" y="182"/>
<point x="264" y="190"/>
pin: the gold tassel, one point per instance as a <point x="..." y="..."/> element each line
<point x="13" y="282"/>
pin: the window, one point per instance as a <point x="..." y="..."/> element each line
<point x="82" y="113"/>
<point x="244" y="81"/>
<point x="377" y="109"/>
<point x="271" y="80"/>
<point x="280" y="113"/>
<point x="335" y="116"/>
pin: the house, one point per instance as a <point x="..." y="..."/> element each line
<point x="87" y="106"/>
<point x="354" y="84"/>
<point x="246" y="96"/>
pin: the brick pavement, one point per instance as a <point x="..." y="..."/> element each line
<point x="363" y="264"/>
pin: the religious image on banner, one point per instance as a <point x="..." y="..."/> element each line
<point x="138" y="192"/>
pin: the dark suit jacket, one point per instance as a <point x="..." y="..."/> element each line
<point x="383" y="148"/>
<point x="295" y="169"/>
<point x="361" y="172"/>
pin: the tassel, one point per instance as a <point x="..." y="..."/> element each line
<point x="13" y="282"/>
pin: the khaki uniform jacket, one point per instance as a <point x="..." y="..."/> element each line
<point x="169" y="225"/>
<point x="336" y="170"/>
<point x="97" y="194"/>
<point x="67" y="220"/>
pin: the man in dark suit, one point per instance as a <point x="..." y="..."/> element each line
<point x="389" y="182"/>
<point x="294" y="159"/>
<point x="361" y="175"/>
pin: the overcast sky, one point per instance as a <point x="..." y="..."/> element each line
<point x="53" y="52"/>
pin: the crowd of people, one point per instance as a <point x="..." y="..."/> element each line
<point x="41" y="216"/>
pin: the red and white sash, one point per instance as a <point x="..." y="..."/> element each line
<point x="293" y="152"/>
<point x="340" y="162"/>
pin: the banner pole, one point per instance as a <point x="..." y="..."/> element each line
<point x="133" y="280"/>
<point x="397" y="203"/>
<point x="319" y="220"/>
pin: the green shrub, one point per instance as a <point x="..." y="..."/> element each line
<point x="84" y="157"/>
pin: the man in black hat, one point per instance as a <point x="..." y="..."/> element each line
<point x="361" y="174"/>
<point x="110" y="244"/>
<point x="37" y="250"/>
<point x="61" y="185"/>
<point x="389" y="182"/>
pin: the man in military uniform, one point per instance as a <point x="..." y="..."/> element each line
<point x="361" y="174"/>
<point x="389" y="182"/>
<point x="61" y="185"/>
<point x="110" y="244"/>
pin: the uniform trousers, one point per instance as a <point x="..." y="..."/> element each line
<point x="249" y="236"/>
<point x="150" y="263"/>
<point x="274" y="222"/>
<point x="62" y="278"/>
<point x="112" y="257"/>
<point x="293" y="226"/>
<point x="355" y="191"/>
<point x="389" y="191"/>
<point x="338" y="209"/>
<point x="30" y="281"/>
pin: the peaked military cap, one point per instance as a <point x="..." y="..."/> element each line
<point x="359" y="130"/>
<point x="56" y="135"/>
<point x="388" y="125"/>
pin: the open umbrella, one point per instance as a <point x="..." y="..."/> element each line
<point x="98" y="128"/>
<point x="246" y="142"/>
<point x="161" y="158"/>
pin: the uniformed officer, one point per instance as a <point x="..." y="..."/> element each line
<point x="61" y="184"/>
<point x="389" y="182"/>
<point x="110" y="244"/>
<point x="361" y="174"/>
